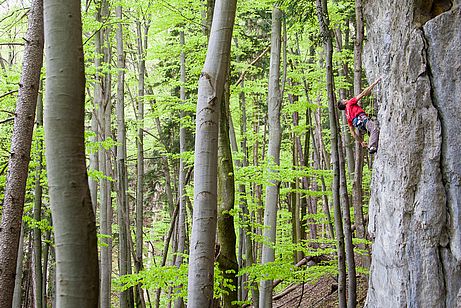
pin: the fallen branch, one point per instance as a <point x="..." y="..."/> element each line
<point x="300" y="263"/>
<point x="285" y="292"/>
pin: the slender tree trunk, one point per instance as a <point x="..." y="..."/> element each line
<point x="349" y="248"/>
<point x="179" y="303"/>
<point x="28" y="299"/>
<point x="324" y="23"/>
<point x="17" y="294"/>
<point x="122" y="200"/>
<point x="211" y="87"/>
<point x="348" y="141"/>
<point x="13" y="203"/>
<point x="273" y="155"/>
<point x="46" y="277"/>
<point x="227" y="259"/>
<point x="140" y="162"/>
<point x="318" y="166"/>
<point x="102" y="88"/>
<point x="166" y="167"/>
<point x="358" y="172"/>
<point x="38" y="212"/>
<point x="245" y="241"/>
<point x="77" y="273"/>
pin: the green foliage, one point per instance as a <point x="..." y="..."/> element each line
<point x="43" y="224"/>
<point x="166" y="277"/>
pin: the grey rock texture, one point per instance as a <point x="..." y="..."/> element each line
<point x="415" y="208"/>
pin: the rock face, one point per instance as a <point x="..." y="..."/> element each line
<point x="415" y="208"/>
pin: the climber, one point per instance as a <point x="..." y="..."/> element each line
<point x="357" y="118"/>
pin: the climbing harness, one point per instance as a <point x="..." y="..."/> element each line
<point x="360" y="122"/>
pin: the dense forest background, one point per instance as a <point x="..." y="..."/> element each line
<point x="220" y="171"/>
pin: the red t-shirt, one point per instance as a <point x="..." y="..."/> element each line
<point x="352" y="110"/>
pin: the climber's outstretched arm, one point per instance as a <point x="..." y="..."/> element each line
<point x="367" y="91"/>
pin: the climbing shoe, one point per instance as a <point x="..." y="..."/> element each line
<point x="372" y="150"/>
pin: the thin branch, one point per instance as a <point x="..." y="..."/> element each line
<point x="3" y="169"/>
<point x="105" y="23"/>
<point x="149" y="133"/>
<point x="6" y="94"/>
<point x="6" y="120"/>
<point x="15" y="11"/>
<point x="242" y="75"/>
<point x="11" y="44"/>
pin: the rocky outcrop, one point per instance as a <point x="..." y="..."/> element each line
<point x="415" y="208"/>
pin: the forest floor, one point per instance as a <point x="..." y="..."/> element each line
<point x="323" y="294"/>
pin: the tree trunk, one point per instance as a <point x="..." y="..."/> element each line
<point x="122" y="201"/>
<point x="140" y="163"/>
<point x="245" y="241"/>
<point x="358" y="170"/>
<point x="349" y="248"/>
<point x="211" y="87"/>
<point x="46" y="279"/>
<point x="17" y="294"/>
<point x="38" y="211"/>
<point x="324" y="23"/>
<point x="227" y="259"/>
<point x="77" y="273"/>
<point x="102" y="91"/>
<point x="179" y="303"/>
<point x="415" y="204"/>
<point x="349" y="142"/>
<point x="273" y="155"/>
<point x="18" y="164"/>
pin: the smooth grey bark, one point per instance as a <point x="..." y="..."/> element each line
<point x="227" y="259"/>
<point x="141" y="47"/>
<point x="179" y="303"/>
<point x="46" y="279"/>
<point x="77" y="272"/>
<point x="274" y="103"/>
<point x="17" y="294"/>
<point x="415" y="194"/>
<point x="93" y="157"/>
<point x="103" y="105"/>
<point x="122" y="198"/>
<point x="324" y="23"/>
<point x="95" y="121"/>
<point x="37" y="234"/>
<point x="210" y="93"/>
<point x="13" y="203"/>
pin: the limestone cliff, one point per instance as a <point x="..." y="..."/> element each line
<point x="415" y="208"/>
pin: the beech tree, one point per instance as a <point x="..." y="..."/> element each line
<point x="210" y="93"/>
<point x="274" y="103"/>
<point x="77" y="272"/>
